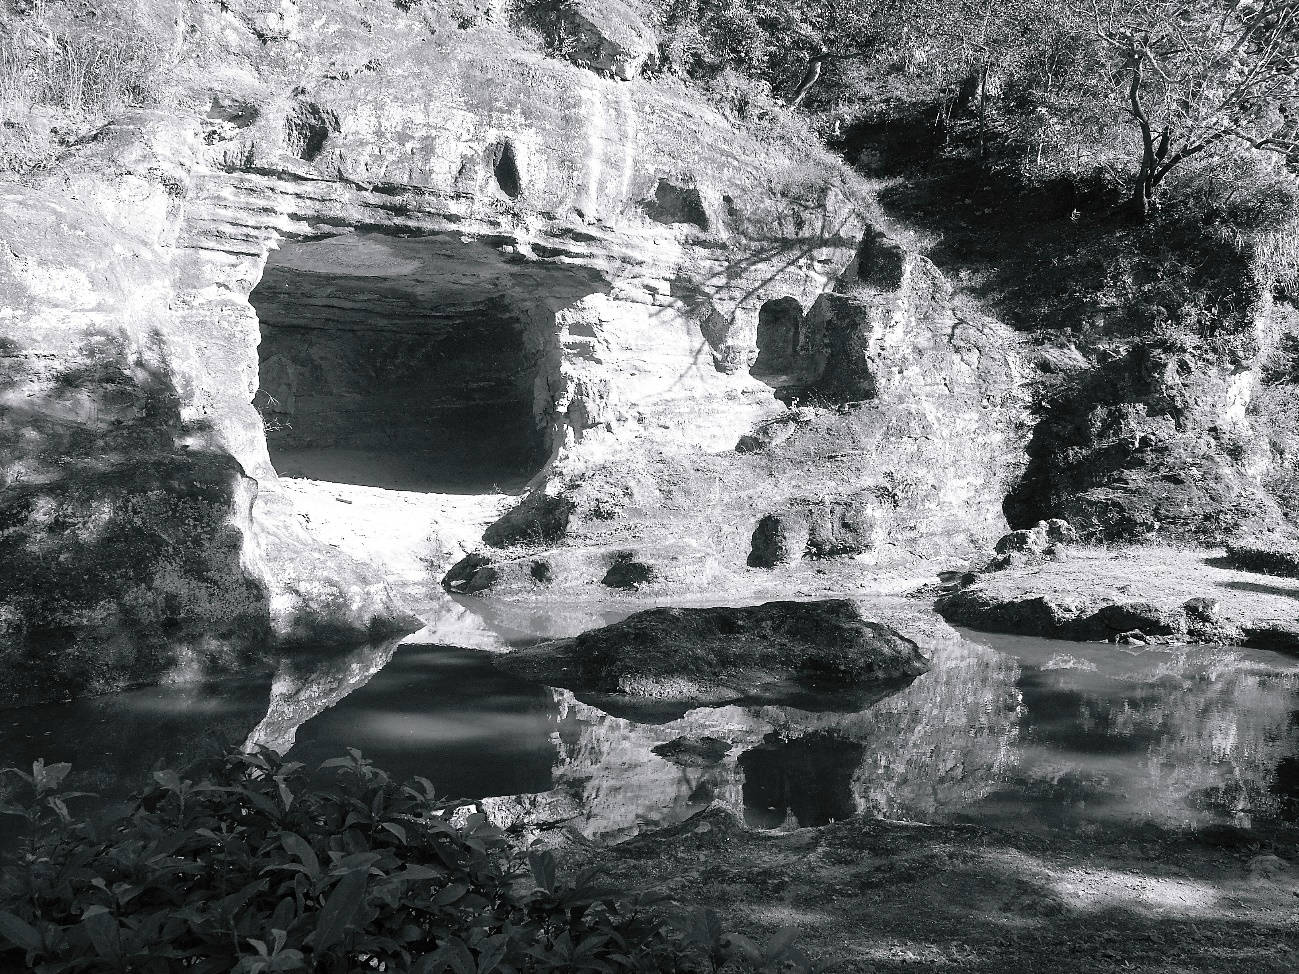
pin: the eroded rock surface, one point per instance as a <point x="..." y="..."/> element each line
<point x="397" y="247"/>
<point x="905" y="450"/>
<point x="370" y="233"/>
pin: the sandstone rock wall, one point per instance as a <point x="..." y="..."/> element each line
<point x="634" y="233"/>
<point x="898" y="444"/>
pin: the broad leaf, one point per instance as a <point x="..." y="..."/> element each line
<point x="543" y="869"/>
<point x="341" y="907"/>
<point x="295" y="845"/>
<point x="19" y="932"/>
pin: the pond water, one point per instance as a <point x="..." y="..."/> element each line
<point x="1011" y="731"/>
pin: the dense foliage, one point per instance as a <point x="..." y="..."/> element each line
<point x="245" y="863"/>
<point x="1138" y="87"/>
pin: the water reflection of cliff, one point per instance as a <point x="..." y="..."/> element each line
<point x="304" y="687"/>
<point x="1045" y="733"/>
<point x="938" y="744"/>
<point x="1057" y="740"/>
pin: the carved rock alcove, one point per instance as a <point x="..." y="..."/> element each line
<point x="418" y="363"/>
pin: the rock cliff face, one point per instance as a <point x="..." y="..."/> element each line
<point x="1157" y="438"/>
<point x="393" y="246"/>
<point x="898" y="443"/>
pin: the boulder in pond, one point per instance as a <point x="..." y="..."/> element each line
<point x="816" y="655"/>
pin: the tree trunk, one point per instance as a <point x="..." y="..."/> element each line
<point x="1146" y="177"/>
<point x="810" y="78"/>
<point x="942" y="125"/>
<point x="1141" y="200"/>
<point x="983" y="109"/>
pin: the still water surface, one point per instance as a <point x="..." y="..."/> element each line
<point x="1005" y="730"/>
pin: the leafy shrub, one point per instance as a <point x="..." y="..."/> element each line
<point x="246" y="863"/>
<point x="759" y="38"/>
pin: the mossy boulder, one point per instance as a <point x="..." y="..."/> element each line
<point x="822" y="655"/>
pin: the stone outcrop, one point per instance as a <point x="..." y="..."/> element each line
<point x="900" y="440"/>
<point x="439" y="237"/>
<point x="1138" y="595"/>
<point x="688" y="657"/>
<point x="1154" y="439"/>
<point x="1034" y="545"/>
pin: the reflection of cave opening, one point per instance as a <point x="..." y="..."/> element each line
<point x="414" y="363"/>
<point x="779" y="324"/>
<point x="809" y="778"/>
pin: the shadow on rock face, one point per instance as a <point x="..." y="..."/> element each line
<point x="119" y="563"/>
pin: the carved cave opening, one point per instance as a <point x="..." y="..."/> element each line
<point x="419" y="363"/>
<point x="780" y="324"/>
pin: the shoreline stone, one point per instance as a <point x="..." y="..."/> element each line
<point x="1136" y="595"/>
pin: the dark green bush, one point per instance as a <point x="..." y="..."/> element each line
<point x="249" y="864"/>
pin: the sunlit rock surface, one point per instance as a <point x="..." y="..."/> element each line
<point x="902" y="452"/>
<point x="451" y="251"/>
<point x="393" y="247"/>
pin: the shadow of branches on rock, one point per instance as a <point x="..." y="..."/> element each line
<point x="119" y="561"/>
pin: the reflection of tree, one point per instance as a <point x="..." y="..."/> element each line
<point x="1226" y="726"/>
<point x="1181" y="740"/>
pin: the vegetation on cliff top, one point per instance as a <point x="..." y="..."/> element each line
<point x="1138" y="86"/>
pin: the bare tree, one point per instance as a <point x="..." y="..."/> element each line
<point x="1194" y="75"/>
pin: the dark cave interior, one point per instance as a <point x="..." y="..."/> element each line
<point x="408" y="363"/>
